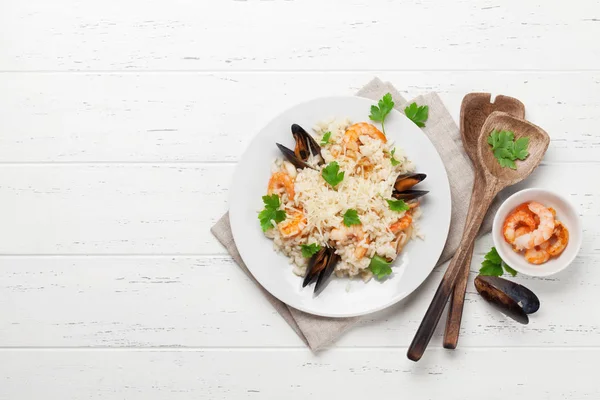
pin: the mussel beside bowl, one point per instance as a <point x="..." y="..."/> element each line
<point x="512" y="299"/>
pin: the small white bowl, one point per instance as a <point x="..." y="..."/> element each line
<point x="565" y="213"/>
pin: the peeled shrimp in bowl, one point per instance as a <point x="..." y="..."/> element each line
<point x="528" y="238"/>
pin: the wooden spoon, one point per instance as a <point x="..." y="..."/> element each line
<point x="495" y="178"/>
<point x="475" y="109"/>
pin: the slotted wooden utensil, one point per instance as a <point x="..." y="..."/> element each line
<point x="495" y="178"/>
<point x="475" y="109"/>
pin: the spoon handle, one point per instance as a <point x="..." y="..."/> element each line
<point x="456" y="306"/>
<point x="436" y="308"/>
<point x="457" y="300"/>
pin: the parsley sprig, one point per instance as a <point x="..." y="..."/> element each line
<point x="325" y="138"/>
<point x="271" y="212"/>
<point x="506" y="149"/>
<point x="380" y="267"/>
<point x="382" y="109"/>
<point x="493" y="265"/>
<point x="417" y="114"/>
<point x="331" y="174"/>
<point x="398" y="205"/>
<point x="351" y="217"/>
<point x="308" y="250"/>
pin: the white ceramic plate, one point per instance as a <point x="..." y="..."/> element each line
<point x="342" y="297"/>
<point x="565" y="213"/>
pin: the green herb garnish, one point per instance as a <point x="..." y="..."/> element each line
<point x="493" y="265"/>
<point x="271" y="212"/>
<point x="325" y="138"/>
<point x="392" y="159"/>
<point x="379" y="113"/>
<point x="309" y="249"/>
<point x="351" y="217"/>
<point x="398" y="205"/>
<point x="417" y="114"/>
<point x="331" y="174"/>
<point x="506" y="149"/>
<point x="380" y="267"/>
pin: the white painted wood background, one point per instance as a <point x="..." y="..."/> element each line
<point x="120" y="126"/>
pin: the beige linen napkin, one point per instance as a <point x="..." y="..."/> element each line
<point x="441" y="129"/>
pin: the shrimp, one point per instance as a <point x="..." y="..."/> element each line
<point x="354" y="132"/>
<point x="542" y="233"/>
<point x="520" y="231"/>
<point x="401" y="224"/>
<point x="561" y="233"/>
<point x="343" y="234"/>
<point x="514" y="221"/>
<point x="538" y="254"/>
<point x="281" y="180"/>
<point x="294" y="223"/>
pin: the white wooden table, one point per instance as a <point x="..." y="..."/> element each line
<point x="120" y="126"/>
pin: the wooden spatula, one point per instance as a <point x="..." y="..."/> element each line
<point x="495" y="178"/>
<point x="475" y="109"/>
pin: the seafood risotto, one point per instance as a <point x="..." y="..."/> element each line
<point x="345" y="205"/>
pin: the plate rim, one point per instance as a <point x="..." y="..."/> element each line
<point x="233" y="215"/>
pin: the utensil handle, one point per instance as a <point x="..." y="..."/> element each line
<point x="436" y="308"/>
<point x="457" y="300"/>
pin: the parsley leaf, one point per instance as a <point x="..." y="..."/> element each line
<point x="309" y="249"/>
<point x="325" y="138"/>
<point x="398" y="205"/>
<point x="506" y="149"/>
<point x="490" y="269"/>
<point x="392" y="159"/>
<point x="351" y="217"/>
<point x="380" y="267"/>
<point x="331" y="175"/>
<point x="520" y="148"/>
<point x="417" y="114"/>
<point x="493" y="265"/>
<point x="383" y="108"/>
<point x="509" y="269"/>
<point x="271" y="212"/>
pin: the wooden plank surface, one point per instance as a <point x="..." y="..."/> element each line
<point x="249" y="373"/>
<point x="169" y="208"/>
<point x="299" y="35"/>
<point x="185" y="117"/>
<point x="208" y="302"/>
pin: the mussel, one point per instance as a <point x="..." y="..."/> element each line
<point x="403" y="186"/>
<point x="320" y="267"/>
<point x="514" y="300"/>
<point x="305" y="144"/>
<point x="304" y="148"/>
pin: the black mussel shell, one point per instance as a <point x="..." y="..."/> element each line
<point x="320" y="267"/>
<point x="409" y="194"/>
<point x="291" y="157"/>
<point x="512" y="299"/>
<point x="407" y="181"/>
<point x="305" y="144"/>
<point x="324" y="276"/>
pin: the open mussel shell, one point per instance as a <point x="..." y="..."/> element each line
<point x="305" y="144"/>
<point x="406" y="181"/>
<point x="408" y="195"/>
<point x="320" y="267"/>
<point x="291" y="157"/>
<point x="512" y="299"/>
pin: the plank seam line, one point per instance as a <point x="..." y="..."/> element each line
<point x="295" y="71"/>
<point x="287" y="348"/>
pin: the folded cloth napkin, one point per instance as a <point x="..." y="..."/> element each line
<point x="317" y="332"/>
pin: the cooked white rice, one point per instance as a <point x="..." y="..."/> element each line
<point x="324" y="207"/>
